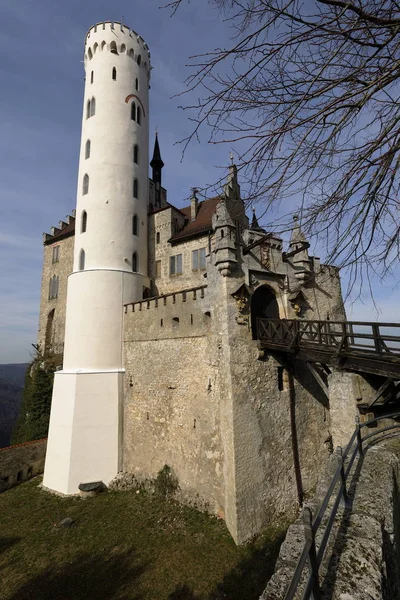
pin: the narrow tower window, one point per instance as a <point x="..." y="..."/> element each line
<point x="134" y="262"/>
<point x="131" y="53"/>
<point x="90" y="55"/>
<point x="158" y="237"/>
<point x="123" y="48"/>
<point x="95" y="48"/>
<point x="103" y="45"/>
<point x="137" y="84"/>
<point x="81" y="260"/>
<point x="85" y="186"/>
<point x="114" y="74"/>
<point x="92" y="77"/>
<point x="83" y="221"/>
<point x="138" y="116"/>
<point x="93" y="107"/>
<point x="139" y="59"/>
<point x="135" y="188"/>
<point x="136" y="154"/>
<point x="135" y="228"/>
<point x="87" y="149"/>
<point x="133" y="111"/>
<point x="113" y="48"/>
<point x="88" y="109"/>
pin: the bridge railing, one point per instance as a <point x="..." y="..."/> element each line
<point x="313" y="554"/>
<point x="381" y="338"/>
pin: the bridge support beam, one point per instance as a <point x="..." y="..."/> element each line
<point x="344" y="390"/>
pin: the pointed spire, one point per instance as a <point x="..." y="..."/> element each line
<point x="156" y="161"/>
<point x="254" y="223"/>
<point x="297" y="236"/>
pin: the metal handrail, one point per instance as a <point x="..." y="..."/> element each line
<point x="310" y="554"/>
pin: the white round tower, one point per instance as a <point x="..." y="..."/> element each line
<point x="110" y="258"/>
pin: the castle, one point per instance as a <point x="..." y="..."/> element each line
<point x="154" y="308"/>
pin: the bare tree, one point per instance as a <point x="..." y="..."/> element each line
<point x="311" y="90"/>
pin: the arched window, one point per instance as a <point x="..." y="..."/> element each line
<point x="103" y="45"/>
<point x="138" y="115"/>
<point x="87" y="149"/>
<point x="93" y="107"/>
<point x="90" y="55"/>
<point x="136" y="154"/>
<point x="114" y="74"/>
<point x="95" y="48"/>
<point x="83" y="221"/>
<point x="135" y="225"/>
<point x="123" y="48"/>
<point x="81" y="260"/>
<point x="137" y="84"/>
<point x="92" y="77"/>
<point x="113" y="48"/>
<point x="88" y="109"/>
<point x="139" y="59"/>
<point x="134" y="262"/>
<point x="135" y="188"/>
<point x="133" y="111"/>
<point x="131" y="53"/>
<point x="85" y="185"/>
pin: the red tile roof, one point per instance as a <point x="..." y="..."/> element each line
<point x="203" y="222"/>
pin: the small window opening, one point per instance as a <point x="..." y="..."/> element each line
<point x="158" y="237"/>
<point x="162" y="323"/>
<point x="222" y="233"/>
<point x="19" y="476"/>
<point x="30" y="472"/>
<point x="194" y="423"/>
<point x="91" y="77"/>
<point x="90" y="55"/>
<point x="136" y="154"/>
<point x="113" y="48"/>
<point x="103" y="45"/>
<point x="175" y="321"/>
<point x="93" y="107"/>
<point x="82" y="260"/>
<point x="191" y="319"/>
<point x="85" y="185"/>
<point x="131" y="53"/>
<point x="134" y="262"/>
<point x="114" y="74"/>
<point x="147" y="416"/>
<point x="280" y="379"/>
<point x="87" y="149"/>
<point x="88" y="109"/>
<point x="123" y="48"/>
<point x="207" y="313"/>
<point x="139" y="59"/>
<point x="83" y="221"/>
<point x="133" y="111"/>
<point x="135" y="225"/>
<point x="137" y="84"/>
<point x="138" y="116"/>
<point x="135" y="188"/>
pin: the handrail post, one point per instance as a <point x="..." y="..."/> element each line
<point x="359" y="438"/>
<point x="377" y="337"/>
<point x="312" y="553"/>
<point x="342" y="475"/>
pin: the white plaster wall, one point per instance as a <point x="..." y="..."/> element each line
<point x="108" y="241"/>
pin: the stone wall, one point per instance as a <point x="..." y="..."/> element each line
<point x="21" y="462"/>
<point x="62" y="268"/>
<point x="362" y="558"/>
<point x="172" y="407"/>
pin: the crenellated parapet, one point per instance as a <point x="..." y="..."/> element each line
<point x="117" y="38"/>
<point x="64" y="228"/>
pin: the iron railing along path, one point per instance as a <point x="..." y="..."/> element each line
<point x="311" y="554"/>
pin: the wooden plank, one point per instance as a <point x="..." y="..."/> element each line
<point x="384" y="387"/>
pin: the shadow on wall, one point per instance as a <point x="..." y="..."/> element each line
<point x="87" y="578"/>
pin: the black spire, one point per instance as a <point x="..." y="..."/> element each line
<point x="254" y="223"/>
<point x="157" y="164"/>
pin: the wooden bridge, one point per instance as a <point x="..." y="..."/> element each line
<point x="363" y="347"/>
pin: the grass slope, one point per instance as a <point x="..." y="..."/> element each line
<point x="126" y="545"/>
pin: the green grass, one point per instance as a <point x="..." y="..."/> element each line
<point x="126" y="545"/>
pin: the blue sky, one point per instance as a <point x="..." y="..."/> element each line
<point x="41" y="47"/>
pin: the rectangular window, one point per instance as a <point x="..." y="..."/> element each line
<point x="199" y="259"/>
<point x="175" y="264"/>
<point x="56" y="253"/>
<point x="158" y="269"/>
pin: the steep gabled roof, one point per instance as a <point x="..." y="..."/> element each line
<point x="202" y="223"/>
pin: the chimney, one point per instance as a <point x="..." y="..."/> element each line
<point x="194" y="205"/>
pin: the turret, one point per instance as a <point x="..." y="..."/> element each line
<point x="298" y="252"/>
<point x="110" y="259"/>
<point x="157" y="165"/>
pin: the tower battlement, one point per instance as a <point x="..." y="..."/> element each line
<point x="117" y="38"/>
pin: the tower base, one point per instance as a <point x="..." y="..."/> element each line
<point x="85" y="429"/>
